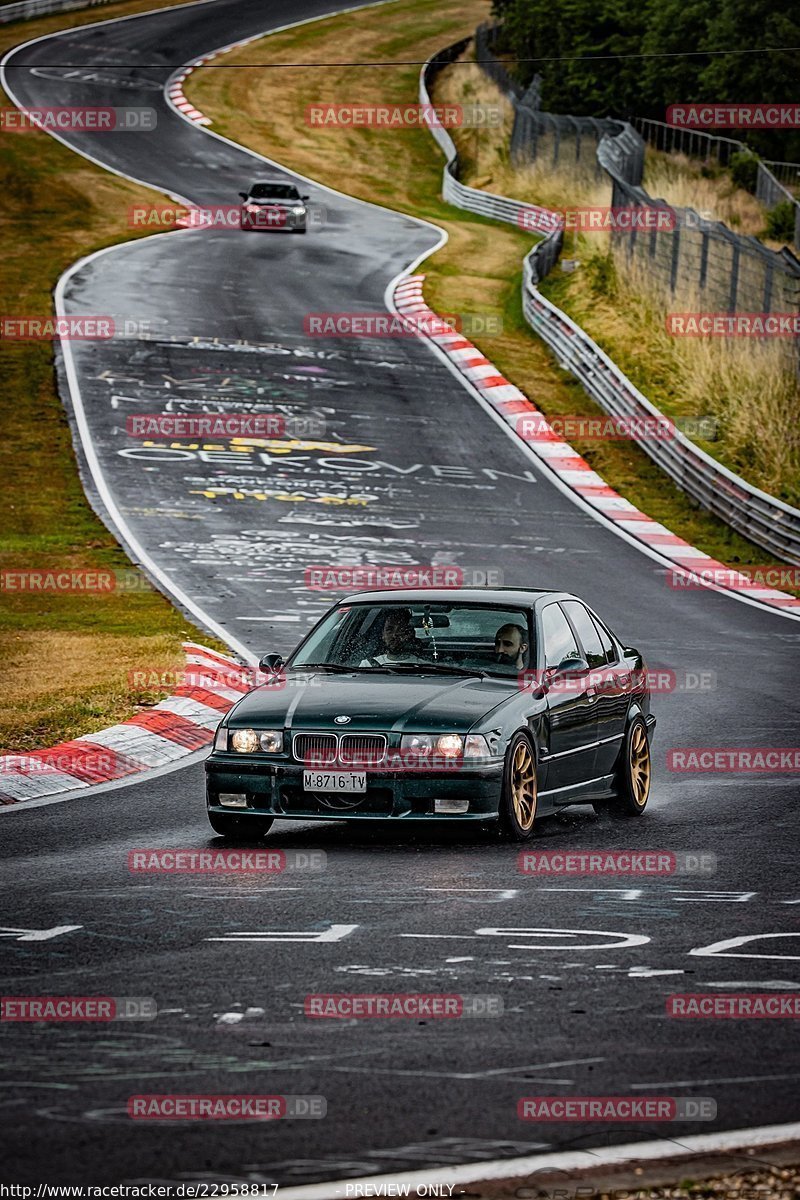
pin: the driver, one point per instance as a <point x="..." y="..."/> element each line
<point x="399" y="638"/>
<point x="511" y="646"/>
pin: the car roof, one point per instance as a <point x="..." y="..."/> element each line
<point x="505" y="596"/>
<point x="273" y="183"/>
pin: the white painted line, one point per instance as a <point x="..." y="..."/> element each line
<point x="571" y="1160"/>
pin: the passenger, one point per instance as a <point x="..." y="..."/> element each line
<point x="511" y="646"/>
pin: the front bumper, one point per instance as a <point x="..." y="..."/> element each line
<point x="276" y="789"/>
<point x="252" y="221"/>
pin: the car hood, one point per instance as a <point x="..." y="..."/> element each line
<point x="386" y="702"/>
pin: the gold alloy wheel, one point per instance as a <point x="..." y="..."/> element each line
<point x="639" y="763"/>
<point x="523" y="786"/>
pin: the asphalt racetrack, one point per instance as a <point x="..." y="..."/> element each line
<point x="410" y="464"/>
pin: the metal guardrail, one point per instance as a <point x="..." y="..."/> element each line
<point x="762" y="518"/>
<point x="23" y="10"/>
<point x="486" y="204"/>
<point x="771" y="177"/>
<point x="765" y="520"/>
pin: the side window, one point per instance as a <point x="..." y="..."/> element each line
<point x="559" y="640"/>
<point x="605" y="639"/>
<point x="587" y="631"/>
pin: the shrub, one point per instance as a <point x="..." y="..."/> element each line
<point x="744" y="169"/>
<point x="780" y="222"/>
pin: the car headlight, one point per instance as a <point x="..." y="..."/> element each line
<point x="252" y="208"/>
<point x="271" y="740"/>
<point x="245" y="741"/>
<point x="299" y="211"/>
<point x="221" y="737"/>
<point x="450" y="745"/>
<point x="445" y="745"/>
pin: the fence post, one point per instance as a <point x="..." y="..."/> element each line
<point x="704" y="260"/>
<point x="734" y="277"/>
<point x="769" y="272"/>
<point x="676" y="253"/>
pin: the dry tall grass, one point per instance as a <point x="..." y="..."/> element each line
<point x="681" y="181"/>
<point x="484" y="158"/>
<point x="749" y="388"/>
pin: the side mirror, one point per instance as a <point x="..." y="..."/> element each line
<point x="572" y="666"/>
<point x="304" y="197"/>
<point x="243" y="195"/>
<point x="271" y="664"/>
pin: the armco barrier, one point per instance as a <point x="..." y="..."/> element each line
<point x="763" y="519"/>
<point x="514" y="212"/>
<point x="25" y="9"/>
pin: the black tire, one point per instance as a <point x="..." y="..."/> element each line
<point x="518" y="799"/>
<point x="243" y="829"/>
<point x="634" y="773"/>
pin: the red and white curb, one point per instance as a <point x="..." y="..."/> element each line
<point x="179" y="101"/>
<point x="180" y="725"/>
<point x="174" y="89"/>
<point x="573" y="471"/>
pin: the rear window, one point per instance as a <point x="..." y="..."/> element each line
<point x="605" y="637"/>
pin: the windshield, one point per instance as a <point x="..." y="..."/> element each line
<point x="274" y="191"/>
<point x="402" y="638"/>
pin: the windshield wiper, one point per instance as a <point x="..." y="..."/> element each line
<point x="435" y="668"/>
<point x="337" y="668"/>
<point x="323" y="667"/>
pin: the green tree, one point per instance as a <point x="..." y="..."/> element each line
<point x="680" y="44"/>
<point x="669" y="75"/>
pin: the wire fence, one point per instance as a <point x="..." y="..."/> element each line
<point x="772" y="178"/>
<point x="762" y="518"/>
<point x="696" y="260"/>
<point x="694" y="143"/>
<point x="786" y="173"/>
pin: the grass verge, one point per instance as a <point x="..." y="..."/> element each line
<point x="64" y="658"/>
<point x="746" y="391"/>
<point x="479" y="270"/>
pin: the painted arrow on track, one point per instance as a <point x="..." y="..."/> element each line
<point x="36" y="935"/>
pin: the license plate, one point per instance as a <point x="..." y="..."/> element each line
<point x="334" y="781"/>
